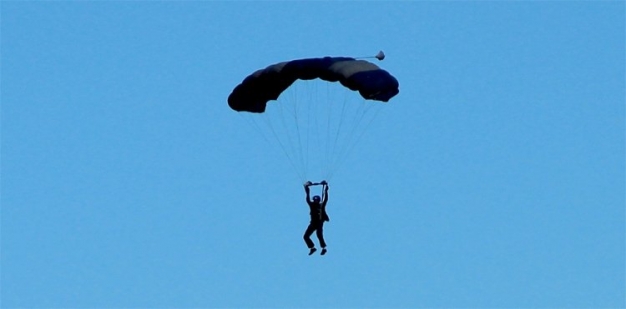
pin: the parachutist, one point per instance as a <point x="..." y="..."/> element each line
<point x="318" y="214"/>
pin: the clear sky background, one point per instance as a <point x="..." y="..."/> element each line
<point x="496" y="178"/>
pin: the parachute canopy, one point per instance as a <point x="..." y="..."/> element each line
<point x="267" y="84"/>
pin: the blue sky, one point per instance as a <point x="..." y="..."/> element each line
<point x="496" y="177"/>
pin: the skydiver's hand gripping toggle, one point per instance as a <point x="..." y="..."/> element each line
<point x="309" y="184"/>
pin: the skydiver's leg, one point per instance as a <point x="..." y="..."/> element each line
<point x="307" y="236"/>
<point x="320" y="234"/>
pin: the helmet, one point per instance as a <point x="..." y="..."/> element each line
<point x="316" y="199"/>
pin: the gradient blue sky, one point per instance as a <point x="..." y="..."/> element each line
<point x="496" y="178"/>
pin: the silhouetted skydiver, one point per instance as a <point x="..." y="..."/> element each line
<point x="318" y="216"/>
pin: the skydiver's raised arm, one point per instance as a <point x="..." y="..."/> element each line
<point x="325" y="192"/>
<point x="308" y="191"/>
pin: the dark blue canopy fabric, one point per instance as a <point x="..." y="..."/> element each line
<point x="267" y="84"/>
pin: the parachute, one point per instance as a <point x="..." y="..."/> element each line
<point x="311" y="123"/>
<point x="267" y="84"/>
